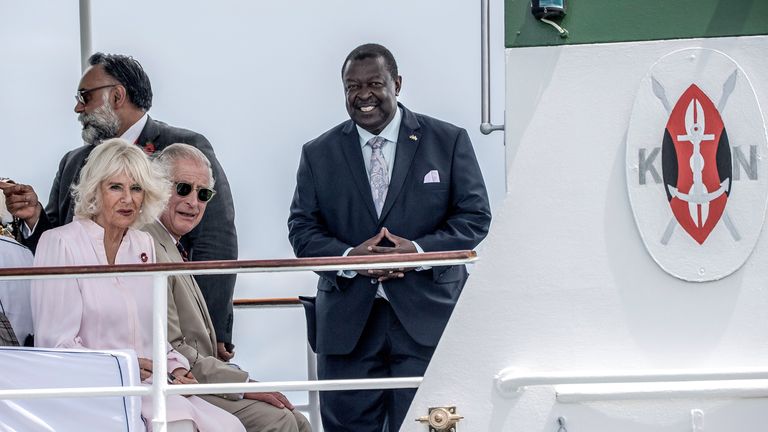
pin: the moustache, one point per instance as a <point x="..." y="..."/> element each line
<point x="363" y="102"/>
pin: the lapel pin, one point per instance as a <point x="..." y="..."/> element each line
<point x="413" y="138"/>
<point x="149" y="148"/>
<point x="144" y="257"/>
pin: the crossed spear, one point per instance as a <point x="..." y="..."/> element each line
<point x="698" y="197"/>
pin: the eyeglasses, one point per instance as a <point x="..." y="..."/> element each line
<point x="84" y="96"/>
<point x="203" y="194"/>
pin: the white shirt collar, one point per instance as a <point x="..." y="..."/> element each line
<point x="390" y="132"/>
<point x="132" y="134"/>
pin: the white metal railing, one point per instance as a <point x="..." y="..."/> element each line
<point x="512" y="382"/>
<point x="312" y="407"/>
<point x="40" y="393"/>
<point x="727" y="389"/>
<point x="313" y="400"/>
<point x="160" y="272"/>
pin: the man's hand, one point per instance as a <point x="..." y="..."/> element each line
<point x="400" y="245"/>
<point x="372" y="246"/>
<point x="366" y="247"/>
<point x="21" y="201"/>
<point x="275" y="399"/>
<point x="222" y="353"/>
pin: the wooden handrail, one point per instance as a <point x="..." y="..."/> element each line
<point x="361" y="260"/>
<point x="251" y="302"/>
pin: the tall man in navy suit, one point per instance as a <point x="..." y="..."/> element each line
<point x="387" y="181"/>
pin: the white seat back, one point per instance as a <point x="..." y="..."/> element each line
<point x="28" y="368"/>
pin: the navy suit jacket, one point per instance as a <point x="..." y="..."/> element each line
<point x="215" y="238"/>
<point x="333" y="210"/>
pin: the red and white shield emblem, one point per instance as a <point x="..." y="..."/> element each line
<point x="696" y="135"/>
<point x="696" y="163"/>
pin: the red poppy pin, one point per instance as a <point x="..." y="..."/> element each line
<point x="144" y="257"/>
<point x="149" y="149"/>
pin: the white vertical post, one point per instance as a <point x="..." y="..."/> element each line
<point x="85" y="33"/>
<point x="159" y="353"/>
<point x="486" y="127"/>
<point x="313" y="396"/>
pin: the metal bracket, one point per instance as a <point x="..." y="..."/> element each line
<point x="441" y="419"/>
<point x="697" y="420"/>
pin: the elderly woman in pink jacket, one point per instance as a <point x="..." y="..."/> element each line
<point x="119" y="191"/>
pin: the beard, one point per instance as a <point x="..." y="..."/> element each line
<point x="99" y="125"/>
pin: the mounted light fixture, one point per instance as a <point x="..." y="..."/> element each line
<point x="548" y="10"/>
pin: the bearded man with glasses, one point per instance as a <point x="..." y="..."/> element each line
<point x="112" y="100"/>
<point x="189" y="325"/>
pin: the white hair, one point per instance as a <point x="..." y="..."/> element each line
<point x="178" y="151"/>
<point x="114" y="157"/>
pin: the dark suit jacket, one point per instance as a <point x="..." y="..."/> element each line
<point x="333" y="210"/>
<point x="215" y="238"/>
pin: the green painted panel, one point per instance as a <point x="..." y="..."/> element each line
<point x="598" y="21"/>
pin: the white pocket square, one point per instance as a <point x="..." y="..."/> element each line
<point x="432" y="177"/>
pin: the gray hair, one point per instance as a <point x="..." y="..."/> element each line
<point x="114" y="157"/>
<point x="174" y="152"/>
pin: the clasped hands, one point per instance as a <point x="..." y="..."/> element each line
<point x="373" y="246"/>
<point x="178" y="376"/>
<point x="184" y="376"/>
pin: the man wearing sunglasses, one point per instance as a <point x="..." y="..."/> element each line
<point x="190" y="330"/>
<point x="112" y="100"/>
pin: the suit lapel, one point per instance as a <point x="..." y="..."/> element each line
<point x="408" y="140"/>
<point x="169" y="247"/>
<point x="350" y="146"/>
<point x="149" y="134"/>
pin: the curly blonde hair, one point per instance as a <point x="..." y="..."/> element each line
<point x="114" y="157"/>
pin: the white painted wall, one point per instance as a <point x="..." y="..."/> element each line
<point x="565" y="283"/>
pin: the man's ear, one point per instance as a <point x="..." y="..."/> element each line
<point x="398" y="85"/>
<point x="119" y="97"/>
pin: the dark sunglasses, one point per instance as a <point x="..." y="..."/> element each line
<point x="203" y="194"/>
<point x="84" y="96"/>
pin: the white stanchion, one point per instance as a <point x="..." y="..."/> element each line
<point x="159" y="353"/>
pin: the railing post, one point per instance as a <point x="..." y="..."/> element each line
<point x="159" y="353"/>
<point x="486" y="127"/>
<point x="313" y="397"/>
<point x="85" y="33"/>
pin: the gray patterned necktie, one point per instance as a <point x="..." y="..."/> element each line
<point x="379" y="177"/>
